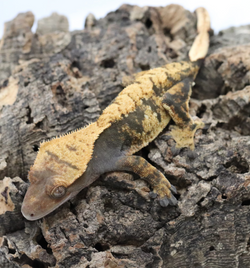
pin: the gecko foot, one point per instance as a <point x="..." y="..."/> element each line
<point x="184" y="137"/>
<point x="165" y="197"/>
<point x="172" y="201"/>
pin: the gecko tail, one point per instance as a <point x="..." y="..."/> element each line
<point x="200" y="46"/>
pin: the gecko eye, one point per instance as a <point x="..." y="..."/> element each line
<point x="59" y="191"/>
<point x="56" y="187"/>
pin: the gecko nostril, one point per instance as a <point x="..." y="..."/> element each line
<point x="31" y="215"/>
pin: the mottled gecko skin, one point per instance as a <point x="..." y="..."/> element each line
<point x="66" y="165"/>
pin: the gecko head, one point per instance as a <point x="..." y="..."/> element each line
<point x="59" y="172"/>
<point x="48" y="191"/>
<point x="43" y="197"/>
<point x="58" y="165"/>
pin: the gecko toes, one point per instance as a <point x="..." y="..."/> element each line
<point x="164" y="202"/>
<point x="173" y="189"/>
<point x="192" y="155"/>
<point x="175" y="151"/>
<point x="164" y="195"/>
<point x="152" y="195"/>
<point x="172" y="200"/>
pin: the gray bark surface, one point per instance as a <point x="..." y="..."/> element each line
<point x="55" y="81"/>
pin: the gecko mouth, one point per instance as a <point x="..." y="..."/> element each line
<point x="35" y="210"/>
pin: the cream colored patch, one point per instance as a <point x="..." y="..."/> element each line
<point x="6" y="203"/>
<point x="76" y="83"/>
<point x="23" y="64"/>
<point x="160" y="75"/>
<point x="8" y="94"/>
<point x="184" y="137"/>
<point x="132" y="32"/>
<point x="174" y="17"/>
<point x="137" y="13"/>
<point x="200" y="46"/>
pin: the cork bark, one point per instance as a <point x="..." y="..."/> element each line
<point x="54" y="81"/>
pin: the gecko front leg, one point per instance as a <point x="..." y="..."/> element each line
<point x="161" y="186"/>
<point x="175" y="101"/>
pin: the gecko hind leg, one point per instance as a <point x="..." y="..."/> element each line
<point x="175" y="101"/>
<point x="161" y="186"/>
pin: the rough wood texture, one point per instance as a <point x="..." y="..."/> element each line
<point x="54" y="81"/>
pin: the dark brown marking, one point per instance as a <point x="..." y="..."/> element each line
<point x="154" y="107"/>
<point x="158" y="91"/>
<point x="35" y="176"/>
<point x="193" y="127"/>
<point x="71" y="148"/>
<point x="56" y="158"/>
<point x="5" y="195"/>
<point x="177" y="102"/>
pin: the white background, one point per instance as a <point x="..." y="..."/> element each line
<point x="223" y="13"/>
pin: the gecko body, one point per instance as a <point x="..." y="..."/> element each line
<point x="66" y="165"/>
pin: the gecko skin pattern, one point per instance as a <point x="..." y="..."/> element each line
<point x="66" y="165"/>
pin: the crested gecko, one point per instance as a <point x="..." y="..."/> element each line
<point x="66" y="165"/>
